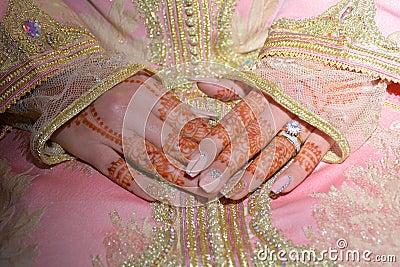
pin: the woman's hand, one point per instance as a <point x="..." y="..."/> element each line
<point x="97" y="136"/>
<point x="245" y="149"/>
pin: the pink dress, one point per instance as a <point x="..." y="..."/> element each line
<point x="71" y="215"/>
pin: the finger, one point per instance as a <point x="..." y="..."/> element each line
<point x="161" y="134"/>
<point x="243" y="147"/>
<point x="303" y="164"/>
<point x="168" y="108"/>
<point x="269" y="161"/>
<point x="223" y="89"/>
<point x="146" y="157"/>
<point x="235" y="159"/>
<point x="233" y="124"/>
<point x="108" y="162"/>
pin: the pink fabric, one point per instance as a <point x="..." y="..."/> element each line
<point x="76" y="205"/>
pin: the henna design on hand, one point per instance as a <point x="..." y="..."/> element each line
<point x="284" y="151"/>
<point x="309" y="156"/>
<point x="92" y="120"/>
<point x="225" y="94"/>
<point x="118" y="172"/>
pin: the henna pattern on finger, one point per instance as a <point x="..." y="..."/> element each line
<point x="196" y="129"/>
<point x="118" y="172"/>
<point x="163" y="166"/>
<point x="284" y="151"/>
<point x="225" y="94"/>
<point x="180" y="150"/>
<point x="242" y="114"/>
<point x="309" y="156"/>
<point x="150" y="159"/>
<point x="221" y="134"/>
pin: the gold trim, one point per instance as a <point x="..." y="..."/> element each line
<point x="222" y="220"/>
<point x="238" y="235"/>
<point x="78" y="105"/>
<point x="391" y="105"/>
<point x="174" y="36"/>
<point x="206" y="31"/>
<point x="303" y="113"/>
<point x="191" y="240"/>
<point x="205" y="251"/>
<point x="36" y="71"/>
<point x="345" y="36"/>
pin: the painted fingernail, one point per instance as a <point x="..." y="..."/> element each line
<point x="211" y="181"/>
<point x="274" y="193"/>
<point x="201" y="161"/>
<point x="197" y="164"/>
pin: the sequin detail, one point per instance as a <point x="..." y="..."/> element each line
<point x="33" y="28"/>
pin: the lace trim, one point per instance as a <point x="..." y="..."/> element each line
<point x="370" y="219"/>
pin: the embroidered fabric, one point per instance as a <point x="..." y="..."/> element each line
<point x="43" y="105"/>
<point x="369" y="221"/>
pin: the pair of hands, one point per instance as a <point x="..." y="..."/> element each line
<point x="233" y="158"/>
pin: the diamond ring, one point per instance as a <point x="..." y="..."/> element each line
<point x="292" y="133"/>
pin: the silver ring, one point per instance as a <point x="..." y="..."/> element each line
<point x="293" y="128"/>
<point x="292" y="139"/>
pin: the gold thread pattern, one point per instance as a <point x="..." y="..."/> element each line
<point x="27" y="61"/>
<point x="345" y="36"/>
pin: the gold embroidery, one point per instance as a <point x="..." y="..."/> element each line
<point x="52" y="45"/>
<point x="391" y="105"/>
<point x="157" y="45"/>
<point x="259" y="206"/>
<point x="222" y="45"/>
<point x="191" y="237"/>
<point x="237" y="234"/>
<point x="371" y="190"/>
<point x="345" y="36"/>
<point x="205" y="251"/>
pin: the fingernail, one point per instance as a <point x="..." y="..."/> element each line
<point x="225" y="83"/>
<point x="234" y="186"/>
<point x="203" y="159"/>
<point x="197" y="164"/>
<point x="211" y="181"/>
<point x="279" y="186"/>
